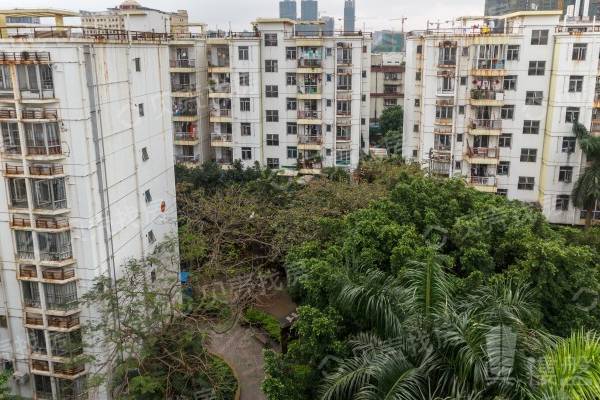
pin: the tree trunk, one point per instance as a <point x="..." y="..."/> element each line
<point x="589" y="213"/>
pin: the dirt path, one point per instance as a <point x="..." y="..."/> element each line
<point x="245" y="355"/>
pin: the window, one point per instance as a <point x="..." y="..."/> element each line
<point x="151" y="237"/>
<point x="272" y="139"/>
<point x="562" y="202"/>
<point x="342" y="157"/>
<point x="531" y="127"/>
<point x="443" y="112"/>
<point x="417" y="102"/>
<point x="246" y="153"/>
<point x="572" y="115"/>
<point x="579" y="51"/>
<point x="292" y="128"/>
<point x="272" y="91"/>
<point x="458" y="165"/>
<point x="465" y="51"/>
<point x="272" y="116"/>
<point x="271" y="66"/>
<point x="270" y="39"/>
<point x="290" y="78"/>
<point x="565" y="174"/>
<point x="418" y="76"/>
<point x="246" y="129"/>
<point x="528" y="155"/>
<point x="575" y="83"/>
<point x="507" y="112"/>
<point x="145" y="156"/>
<point x="526" y="183"/>
<point x="243" y="53"/>
<point x="459" y="137"/>
<point x="329" y="51"/>
<point x="141" y="109"/>
<point x="512" y="52"/>
<point x="292" y="104"/>
<point x="568" y="144"/>
<point x="416" y="128"/>
<point x="329" y="77"/>
<point x="290" y="53"/>
<point x="534" y="98"/>
<point x="273" y="163"/>
<point x="364" y="74"/>
<point x="364" y="98"/>
<point x="292" y="152"/>
<point x="329" y="102"/>
<point x="245" y="104"/>
<point x="148" y="196"/>
<point x="3" y="321"/>
<point x="510" y="82"/>
<point x="463" y="80"/>
<point x="539" y="37"/>
<point x="328" y="128"/>
<point x="138" y="64"/>
<point x="537" y="68"/>
<point x="461" y="110"/>
<point x="503" y="167"/>
<point x="244" y="78"/>
<point x="502" y="192"/>
<point x="505" y="140"/>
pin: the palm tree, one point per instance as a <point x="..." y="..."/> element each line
<point x="572" y="370"/>
<point x="586" y="191"/>
<point x="430" y="340"/>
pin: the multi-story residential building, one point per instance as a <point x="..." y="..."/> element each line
<point x="289" y="101"/>
<point x="497" y="107"/>
<point x="132" y="16"/>
<point x="87" y="183"/>
<point x="387" y="83"/>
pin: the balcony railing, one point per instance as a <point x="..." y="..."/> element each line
<point x="25" y="254"/>
<point x="67" y="369"/>
<point x="444" y="62"/>
<point x="481" y="94"/>
<point x="14" y="169"/>
<point x="185" y="111"/>
<point x="183" y="87"/>
<point x="309" y="63"/>
<point x="8" y="113"/>
<point x="46" y="170"/>
<point x="483" y="152"/>
<point x="58" y="274"/>
<point x="486" y="124"/>
<point x="27" y="271"/>
<point x="309" y="114"/>
<point x="63" y="322"/>
<point x="220" y="64"/>
<point x="17" y="222"/>
<point x="183" y="63"/>
<point x="11" y="149"/>
<point x="34" y="319"/>
<point x="62" y="302"/>
<point x="223" y="112"/>
<point x="32" y="303"/>
<point x="489" y="64"/>
<point x="46" y="113"/>
<point x="221" y="137"/>
<point x="224" y="160"/>
<point x="441" y="147"/>
<point x="39" y="365"/>
<point x="310" y="139"/>
<point x="483" y="180"/>
<point x="309" y="89"/>
<point x="181" y="159"/>
<point x="50" y="150"/>
<point x="224" y="87"/>
<point x="344" y="61"/>
<point x="56" y="256"/>
<point x="309" y="164"/>
<point x="54" y="223"/>
<point x="186" y="136"/>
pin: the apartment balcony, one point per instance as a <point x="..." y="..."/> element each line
<point x="52" y="224"/>
<point x="310" y="65"/>
<point x="481" y="97"/>
<point x="46" y="171"/>
<point x="51" y="151"/>
<point x="224" y="161"/>
<point x="62" y="303"/>
<point x="40" y="115"/>
<point x="185" y="112"/>
<point x="6" y="91"/>
<point x="20" y="223"/>
<point x="485" y="127"/>
<point x="443" y="121"/>
<point x="485" y="184"/>
<point x="8" y="114"/>
<point x="221" y="65"/>
<point x="13" y="170"/>
<point x="11" y="150"/>
<point x="310" y="167"/>
<point x="186" y="139"/>
<point x="219" y="90"/>
<point x="32" y="303"/>
<point x="344" y="61"/>
<point x="310" y="142"/>
<point x="595" y="127"/>
<point x="34" y="320"/>
<point x="58" y="275"/>
<point x="40" y="366"/>
<point x="182" y="65"/>
<point x="187" y="159"/>
<point x="221" y="139"/>
<point x="25" y="254"/>
<point x="27" y="272"/>
<point x="63" y="324"/>
<point x="309" y="117"/>
<point x="221" y="115"/>
<point x="491" y="67"/>
<point x="183" y="89"/>
<point x="482" y="155"/>
<point x="68" y="370"/>
<point x="310" y="92"/>
<point x="58" y="256"/>
<point x="447" y="63"/>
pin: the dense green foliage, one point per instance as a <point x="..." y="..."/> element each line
<point x="261" y="319"/>
<point x="391" y="126"/>
<point x="420" y="262"/>
<point x="586" y="191"/>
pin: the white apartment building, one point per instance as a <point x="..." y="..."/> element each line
<point x="497" y="105"/>
<point x="387" y="83"/>
<point x="292" y="102"/>
<point x="86" y="183"/>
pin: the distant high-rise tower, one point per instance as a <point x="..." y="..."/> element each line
<point x="329" y="26"/>
<point x="309" y="10"/>
<point x="500" y="7"/>
<point x="288" y="9"/>
<point x="349" y="16"/>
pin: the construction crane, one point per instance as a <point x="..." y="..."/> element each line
<point x="400" y="19"/>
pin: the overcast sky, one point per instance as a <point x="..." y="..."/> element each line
<point x="372" y="14"/>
